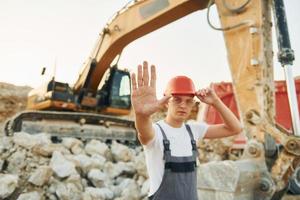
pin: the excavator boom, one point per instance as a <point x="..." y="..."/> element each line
<point x="130" y="23"/>
<point x="57" y="99"/>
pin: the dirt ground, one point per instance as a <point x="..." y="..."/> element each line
<point x="12" y="100"/>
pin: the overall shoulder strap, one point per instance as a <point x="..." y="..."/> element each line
<point x="193" y="142"/>
<point x="166" y="142"/>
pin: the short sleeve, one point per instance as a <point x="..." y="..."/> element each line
<point x="155" y="140"/>
<point x="199" y="129"/>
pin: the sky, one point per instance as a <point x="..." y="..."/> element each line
<point x="60" y="34"/>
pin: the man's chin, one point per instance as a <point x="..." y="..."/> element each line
<point x="182" y="118"/>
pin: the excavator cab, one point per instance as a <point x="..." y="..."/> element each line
<point x="114" y="95"/>
<point x="112" y="98"/>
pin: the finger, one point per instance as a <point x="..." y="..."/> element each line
<point x="198" y="93"/>
<point x="212" y="88"/>
<point x="207" y="91"/>
<point x="202" y="92"/>
<point x="211" y="91"/>
<point x="202" y="99"/>
<point x="140" y="76"/>
<point x="153" y="77"/>
<point x="145" y="73"/>
<point x="200" y="96"/>
<point x="133" y="81"/>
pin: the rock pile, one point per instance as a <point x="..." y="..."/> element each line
<point x="33" y="167"/>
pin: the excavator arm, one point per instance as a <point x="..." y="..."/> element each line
<point x="81" y="103"/>
<point x="133" y="21"/>
<point x="247" y="29"/>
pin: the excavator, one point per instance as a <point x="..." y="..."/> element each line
<point x="94" y="106"/>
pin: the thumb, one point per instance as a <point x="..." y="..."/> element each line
<point x="212" y="87"/>
<point x="164" y="100"/>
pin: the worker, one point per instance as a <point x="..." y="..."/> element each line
<point x="170" y="144"/>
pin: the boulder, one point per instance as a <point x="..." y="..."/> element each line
<point x="8" y="184"/>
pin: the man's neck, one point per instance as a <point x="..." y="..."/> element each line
<point x="174" y="123"/>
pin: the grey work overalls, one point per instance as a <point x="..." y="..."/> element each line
<point x="179" y="181"/>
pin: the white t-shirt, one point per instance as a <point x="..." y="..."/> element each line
<point x="180" y="145"/>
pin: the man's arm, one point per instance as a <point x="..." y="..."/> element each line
<point x="231" y="125"/>
<point x="145" y="130"/>
<point x="144" y="101"/>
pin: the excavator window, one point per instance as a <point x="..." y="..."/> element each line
<point x="120" y="90"/>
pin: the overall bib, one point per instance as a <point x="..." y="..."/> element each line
<point x="179" y="181"/>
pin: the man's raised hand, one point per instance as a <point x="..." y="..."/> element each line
<point x="143" y="94"/>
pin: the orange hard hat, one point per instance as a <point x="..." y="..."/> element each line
<point x="180" y="85"/>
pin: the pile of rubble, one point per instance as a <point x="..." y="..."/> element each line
<point x="36" y="167"/>
<point x="33" y="167"/>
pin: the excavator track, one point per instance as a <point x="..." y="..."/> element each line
<point x="72" y="124"/>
